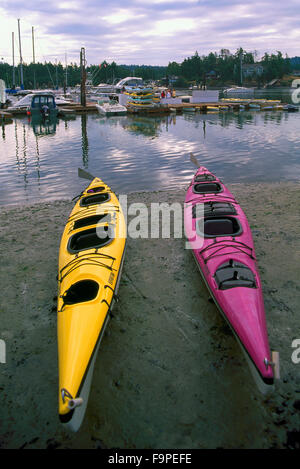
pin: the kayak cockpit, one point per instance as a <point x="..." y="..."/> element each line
<point x="207" y="188"/>
<point x="98" y="198"/>
<point x="212" y="227"/>
<point x="80" y="292"/>
<point x="93" y="238"/>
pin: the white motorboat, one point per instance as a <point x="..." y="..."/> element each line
<point x="99" y="97"/>
<point x="131" y="82"/>
<point x="111" y="108"/>
<point x="104" y="88"/>
<point x="26" y="101"/>
<point x="238" y="90"/>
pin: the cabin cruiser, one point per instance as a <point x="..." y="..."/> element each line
<point x="131" y="82"/>
<point x="237" y="90"/>
<point x="26" y="102"/>
<point x="41" y="103"/>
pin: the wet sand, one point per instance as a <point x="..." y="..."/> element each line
<point x="169" y="373"/>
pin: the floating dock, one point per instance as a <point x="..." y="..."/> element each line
<point x="204" y="107"/>
<point x="230" y="105"/>
<point x="67" y="108"/>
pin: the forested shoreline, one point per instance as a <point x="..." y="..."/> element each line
<point x="215" y="68"/>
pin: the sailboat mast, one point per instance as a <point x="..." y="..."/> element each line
<point x="66" y="72"/>
<point x="21" y="60"/>
<point x="13" y="59"/>
<point x="33" y="56"/>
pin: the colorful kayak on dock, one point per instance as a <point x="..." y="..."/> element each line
<point x="90" y="263"/>
<point x="220" y="238"/>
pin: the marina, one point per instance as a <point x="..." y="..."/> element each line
<point x="227" y="105"/>
<point x="33" y="169"/>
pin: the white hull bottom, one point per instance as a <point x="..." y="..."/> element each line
<point x="79" y="412"/>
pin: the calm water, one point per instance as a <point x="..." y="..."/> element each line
<point x="39" y="162"/>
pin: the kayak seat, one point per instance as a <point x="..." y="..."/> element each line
<point x="85" y="290"/>
<point x="233" y="274"/>
<point x="219" y="226"/>
<point x="93" y="220"/>
<point x="94" y="238"/>
<point x="207" y="188"/>
<point x="213" y="209"/>
<point x="94" y="199"/>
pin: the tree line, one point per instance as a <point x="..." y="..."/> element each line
<point x="49" y="75"/>
<point x="223" y="67"/>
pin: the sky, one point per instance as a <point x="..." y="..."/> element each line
<point x="150" y="32"/>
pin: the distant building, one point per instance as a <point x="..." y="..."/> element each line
<point x="211" y="74"/>
<point x="252" y="69"/>
<point x="172" y="79"/>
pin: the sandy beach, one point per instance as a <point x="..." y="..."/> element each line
<point x="169" y="373"/>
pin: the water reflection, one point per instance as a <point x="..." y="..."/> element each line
<point x="147" y="126"/>
<point x="144" y="153"/>
<point x="3" y="123"/>
<point x="42" y="126"/>
<point x="84" y="141"/>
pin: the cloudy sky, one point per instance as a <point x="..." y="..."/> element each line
<point x="151" y="32"/>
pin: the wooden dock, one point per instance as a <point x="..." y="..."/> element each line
<point x="68" y="108"/>
<point x="228" y="105"/>
<point x="224" y="105"/>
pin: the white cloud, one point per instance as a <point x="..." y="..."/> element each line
<point x="148" y="31"/>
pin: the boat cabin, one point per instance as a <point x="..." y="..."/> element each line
<point x="40" y="100"/>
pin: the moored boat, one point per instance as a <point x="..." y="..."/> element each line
<point x="38" y="103"/>
<point x="43" y="104"/>
<point x="220" y="237"/>
<point x="111" y="108"/>
<point x="90" y="264"/>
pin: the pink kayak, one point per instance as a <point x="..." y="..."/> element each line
<point x="220" y="238"/>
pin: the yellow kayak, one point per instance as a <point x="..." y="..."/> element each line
<point x="91" y="257"/>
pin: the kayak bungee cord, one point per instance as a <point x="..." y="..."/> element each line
<point x="220" y="245"/>
<point x="79" y="261"/>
